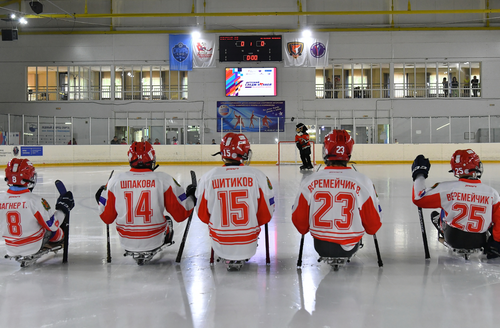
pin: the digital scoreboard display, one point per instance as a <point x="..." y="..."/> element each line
<point x="250" y="48"/>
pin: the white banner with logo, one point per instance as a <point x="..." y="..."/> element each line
<point x="204" y="52"/>
<point x="305" y="51"/>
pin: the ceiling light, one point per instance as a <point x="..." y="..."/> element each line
<point x="306" y="33"/>
<point x="196" y="35"/>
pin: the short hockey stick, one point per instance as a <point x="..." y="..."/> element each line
<point x="379" y="258"/>
<point x="65" y="227"/>
<point x="268" y="259"/>
<point x="375" y="240"/>
<point x="181" y="248"/>
<point x="424" y="234"/>
<point x="301" y="247"/>
<point x="108" y="243"/>
<point x="212" y="255"/>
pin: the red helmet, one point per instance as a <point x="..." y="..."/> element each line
<point x="466" y="163"/>
<point x="338" y="146"/>
<point x="235" y="146"/>
<point x="20" y="172"/>
<point x="141" y="155"/>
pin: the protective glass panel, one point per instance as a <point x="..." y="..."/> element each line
<point x="440" y="130"/>
<point x="402" y="130"/>
<point x="421" y="130"/>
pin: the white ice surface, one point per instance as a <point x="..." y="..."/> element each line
<point x="408" y="291"/>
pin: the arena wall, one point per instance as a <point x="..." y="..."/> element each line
<point x="262" y="154"/>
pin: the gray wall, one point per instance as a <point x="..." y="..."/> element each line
<point x="295" y="85"/>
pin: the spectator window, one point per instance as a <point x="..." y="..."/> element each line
<point x="90" y="83"/>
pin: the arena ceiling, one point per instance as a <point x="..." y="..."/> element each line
<point x="236" y="16"/>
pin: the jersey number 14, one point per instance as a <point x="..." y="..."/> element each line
<point x="142" y="208"/>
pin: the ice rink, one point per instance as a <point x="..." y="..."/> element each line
<point x="408" y="291"/>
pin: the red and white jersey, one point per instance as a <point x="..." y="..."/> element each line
<point x="234" y="201"/>
<point x="136" y="200"/>
<point x="468" y="204"/>
<point x="24" y="218"/>
<point x="337" y="205"/>
<point x="302" y="140"/>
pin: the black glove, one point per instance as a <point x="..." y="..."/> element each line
<point x="421" y="165"/>
<point x="190" y="191"/>
<point x="65" y="203"/>
<point x="99" y="192"/>
<point x="492" y="249"/>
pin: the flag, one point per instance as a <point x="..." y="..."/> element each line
<point x="295" y="50"/>
<point x="305" y="51"/>
<point x="318" y="50"/>
<point x="181" y="54"/>
<point x="203" y="52"/>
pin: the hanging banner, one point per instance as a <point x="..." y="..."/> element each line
<point x="300" y="51"/>
<point x="318" y="50"/>
<point x="203" y="52"/>
<point x="181" y="54"/>
<point x="251" y="116"/>
<point x="295" y="53"/>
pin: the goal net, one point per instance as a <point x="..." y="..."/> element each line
<point x="289" y="154"/>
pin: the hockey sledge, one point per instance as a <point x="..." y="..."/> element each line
<point x="461" y="243"/>
<point x="144" y="257"/>
<point x="335" y="262"/>
<point x="461" y="252"/>
<point x="231" y="265"/>
<point x="28" y="260"/>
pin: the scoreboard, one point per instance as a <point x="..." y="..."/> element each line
<point x="250" y="48"/>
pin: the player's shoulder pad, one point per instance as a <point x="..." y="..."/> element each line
<point x="45" y="204"/>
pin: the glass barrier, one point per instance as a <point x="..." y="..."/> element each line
<point x="46" y="130"/>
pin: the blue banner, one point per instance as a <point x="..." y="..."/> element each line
<point x="181" y="52"/>
<point x="251" y="116"/>
<point x="31" y="151"/>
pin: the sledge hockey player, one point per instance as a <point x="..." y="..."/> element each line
<point x="302" y="143"/>
<point x="234" y="200"/>
<point x="136" y="199"/>
<point x="337" y="205"/>
<point x="468" y="207"/>
<point x="29" y="225"/>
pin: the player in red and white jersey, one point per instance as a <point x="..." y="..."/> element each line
<point x="337" y="205"/>
<point x="468" y="207"/>
<point x="26" y="220"/>
<point x="137" y="199"/>
<point x="234" y="200"/>
<point x="302" y="143"/>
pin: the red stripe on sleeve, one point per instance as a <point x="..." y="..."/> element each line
<point x="109" y="215"/>
<point x="41" y="221"/>
<point x="300" y="216"/>
<point x="263" y="215"/>
<point x="370" y="217"/>
<point x="174" y="207"/>
<point x="203" y="212"/>
<point x="428" y="201"/>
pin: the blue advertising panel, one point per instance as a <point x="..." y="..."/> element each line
<point x="181" y="53"/>
<point x="251" y="116"/>
<point x="31" y="151"/>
